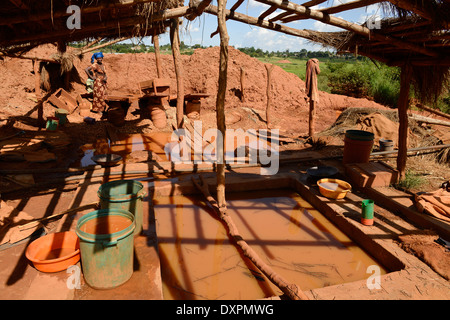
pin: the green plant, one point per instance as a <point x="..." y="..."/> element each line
<point x="411" y="180"/>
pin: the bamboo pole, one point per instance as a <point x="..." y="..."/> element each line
<point x="403" y="102"/>
<point x="290" y="289"/>
<point x="220" y="102"/>
<point x="175" y="42"/>
<point x="269" y="68"/>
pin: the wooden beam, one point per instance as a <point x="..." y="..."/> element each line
<point x="267" y="12"/>
<point x="350" y="6"/>
<point x="339" y="8"/>
<point x="60" y="14"/>
<point x="341" y="23"/>
<point x="313" y="3"/>
<point x="280" y="16"/>
<point x="119" y="24"/>
<point x="236" y="16"/>
<point x="197" y="9"/>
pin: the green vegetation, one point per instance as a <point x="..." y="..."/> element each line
<point x="411" y="180"/>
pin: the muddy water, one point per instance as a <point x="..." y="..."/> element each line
<point x="199" y="261"/>
<point x="106" y="225"/>
<point x="154" y="142"/>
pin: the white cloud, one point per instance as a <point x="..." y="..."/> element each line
<point x="272" y="41"/>
<point x="256" y="4"/>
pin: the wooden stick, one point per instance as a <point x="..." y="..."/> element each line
<point x="437" y="112"/>
<point x="37" y="80"/>
<point x="103" y="45"/>
<point x="175" y="42"/>
<point x="242" y="97"/>
<point x="36" y="221"/>
<point x="291" y="290"/>
<point x="423" y="119"/>
<point x="269" y="68"/>
<point x="220" y="101"/>
<point x="403" y="102"/>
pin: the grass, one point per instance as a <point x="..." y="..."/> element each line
<point x="412" y="180"/>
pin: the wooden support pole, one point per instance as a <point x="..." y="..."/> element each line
<point x="403" y="103"/>
<point x="220" y="102"/>
<point x="242" y="97"/>
<point x="155" y="39"/>
<point x="312" y="116"/>
<point x="175" y="42"/>
<point x="269" y="68"/>
<point x="37" y="79"/>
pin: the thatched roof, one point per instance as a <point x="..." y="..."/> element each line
<point x="27" y="23"/>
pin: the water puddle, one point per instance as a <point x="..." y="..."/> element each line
<point x="200" y="261"/>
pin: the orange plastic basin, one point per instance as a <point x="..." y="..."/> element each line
<point x="54" y="252"/>
<point x="334" y="188"/>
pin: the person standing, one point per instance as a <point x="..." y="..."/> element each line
<point x="97" y="72"/>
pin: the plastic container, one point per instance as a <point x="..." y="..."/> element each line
<point x="126" y="195"/>
<point x="52" y="123"/>
<point x="54" y="252"/>
<point x="61" y="114"/>
<point x="358" y="145"/>
<point x="386" y="145"/>
<point x="367" y="212"/>
<point x="106" y="245"/>
<point x="334" y="188"/>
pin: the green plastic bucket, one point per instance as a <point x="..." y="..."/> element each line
<point x="61" y="114"/>
<point x="106" y="247"/>
<point x="126" y="195"/>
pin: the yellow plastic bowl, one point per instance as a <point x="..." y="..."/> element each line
<point x="334" y="188"/>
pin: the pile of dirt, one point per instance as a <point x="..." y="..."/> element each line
<point x="125" y="71"/>
<point x="424" y="246"/>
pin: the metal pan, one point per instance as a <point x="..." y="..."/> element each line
<point x="322" y="171"/>
<point x="107" y="160"/>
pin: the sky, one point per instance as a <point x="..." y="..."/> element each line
<point x="243" y="35"/>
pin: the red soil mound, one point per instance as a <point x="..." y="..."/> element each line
<point x="125" y="71"/>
